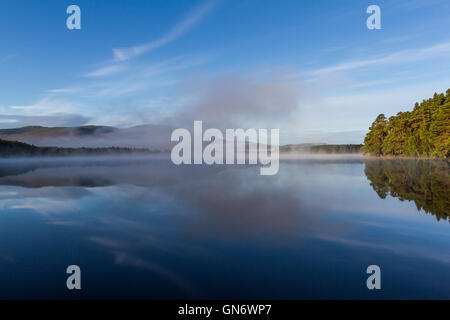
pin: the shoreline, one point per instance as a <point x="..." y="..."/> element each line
<point x="405" y="158"/>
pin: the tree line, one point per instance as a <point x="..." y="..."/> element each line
<point x="21" y="149"/>
<point x="322" y="148"/>
<point x="422" y="132"/>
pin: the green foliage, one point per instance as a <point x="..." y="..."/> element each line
<point x="374" y="138"/>
<point x="426" y="182"/>
<point x="423" y="132"/>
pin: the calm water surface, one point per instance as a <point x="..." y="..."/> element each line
<point x="149" y="229"/>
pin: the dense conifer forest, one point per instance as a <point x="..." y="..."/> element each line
<point x="422" y="132"/>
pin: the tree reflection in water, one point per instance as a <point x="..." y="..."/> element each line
<point x="426" y="182"/>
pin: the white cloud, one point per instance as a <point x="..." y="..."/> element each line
<point x="45" y="106"/>
<point x="123" y="54"/>
<point x="51" y="120"/>
<point x="106" y="71"/>
<point x="63" y="90"/>
<point x="403" y="56"/>
<point x="143" y="78"/>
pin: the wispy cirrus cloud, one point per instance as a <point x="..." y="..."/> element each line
<point x="121" y="55"/>
<point x="51" y="120"/>
<point x="107" y="70"/>
<point x="183" y="26"/>
<point x="402" y="56"/>
<point x="141" y="78"/>
<point x="63" y="90"/>
<point x="45" y="106"/>
<point x="8" y="57"/>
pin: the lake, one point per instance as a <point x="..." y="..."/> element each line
<point x="145" y="228"/>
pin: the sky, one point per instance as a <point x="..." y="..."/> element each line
<point x="310" y="68"/>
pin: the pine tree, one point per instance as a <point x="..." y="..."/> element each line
<point x="423" y="132"/>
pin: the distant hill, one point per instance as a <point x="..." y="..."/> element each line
<point x="21" y="149"/>
<point x="143" y="136"/>
<point x="19" y="134"/>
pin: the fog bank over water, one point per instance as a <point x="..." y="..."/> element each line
<point x="318" y="156"/>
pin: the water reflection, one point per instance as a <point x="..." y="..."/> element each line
<point x="426" y="182"/>
<point x="166" y="231"/>
<point x="210" y="201"/>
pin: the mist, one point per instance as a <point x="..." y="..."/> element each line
<point x="226" y="101"/>
<point x="237" y="101"/>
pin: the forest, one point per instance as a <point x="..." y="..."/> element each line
<point x="422" y="132"/>
<point x="21" y="149"/>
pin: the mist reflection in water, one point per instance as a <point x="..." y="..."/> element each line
<point x="217" y="231"/>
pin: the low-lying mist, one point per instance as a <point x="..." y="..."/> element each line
<point x="226" y="101"/>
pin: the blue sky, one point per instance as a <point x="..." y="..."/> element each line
<point x="310" y="68"/>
